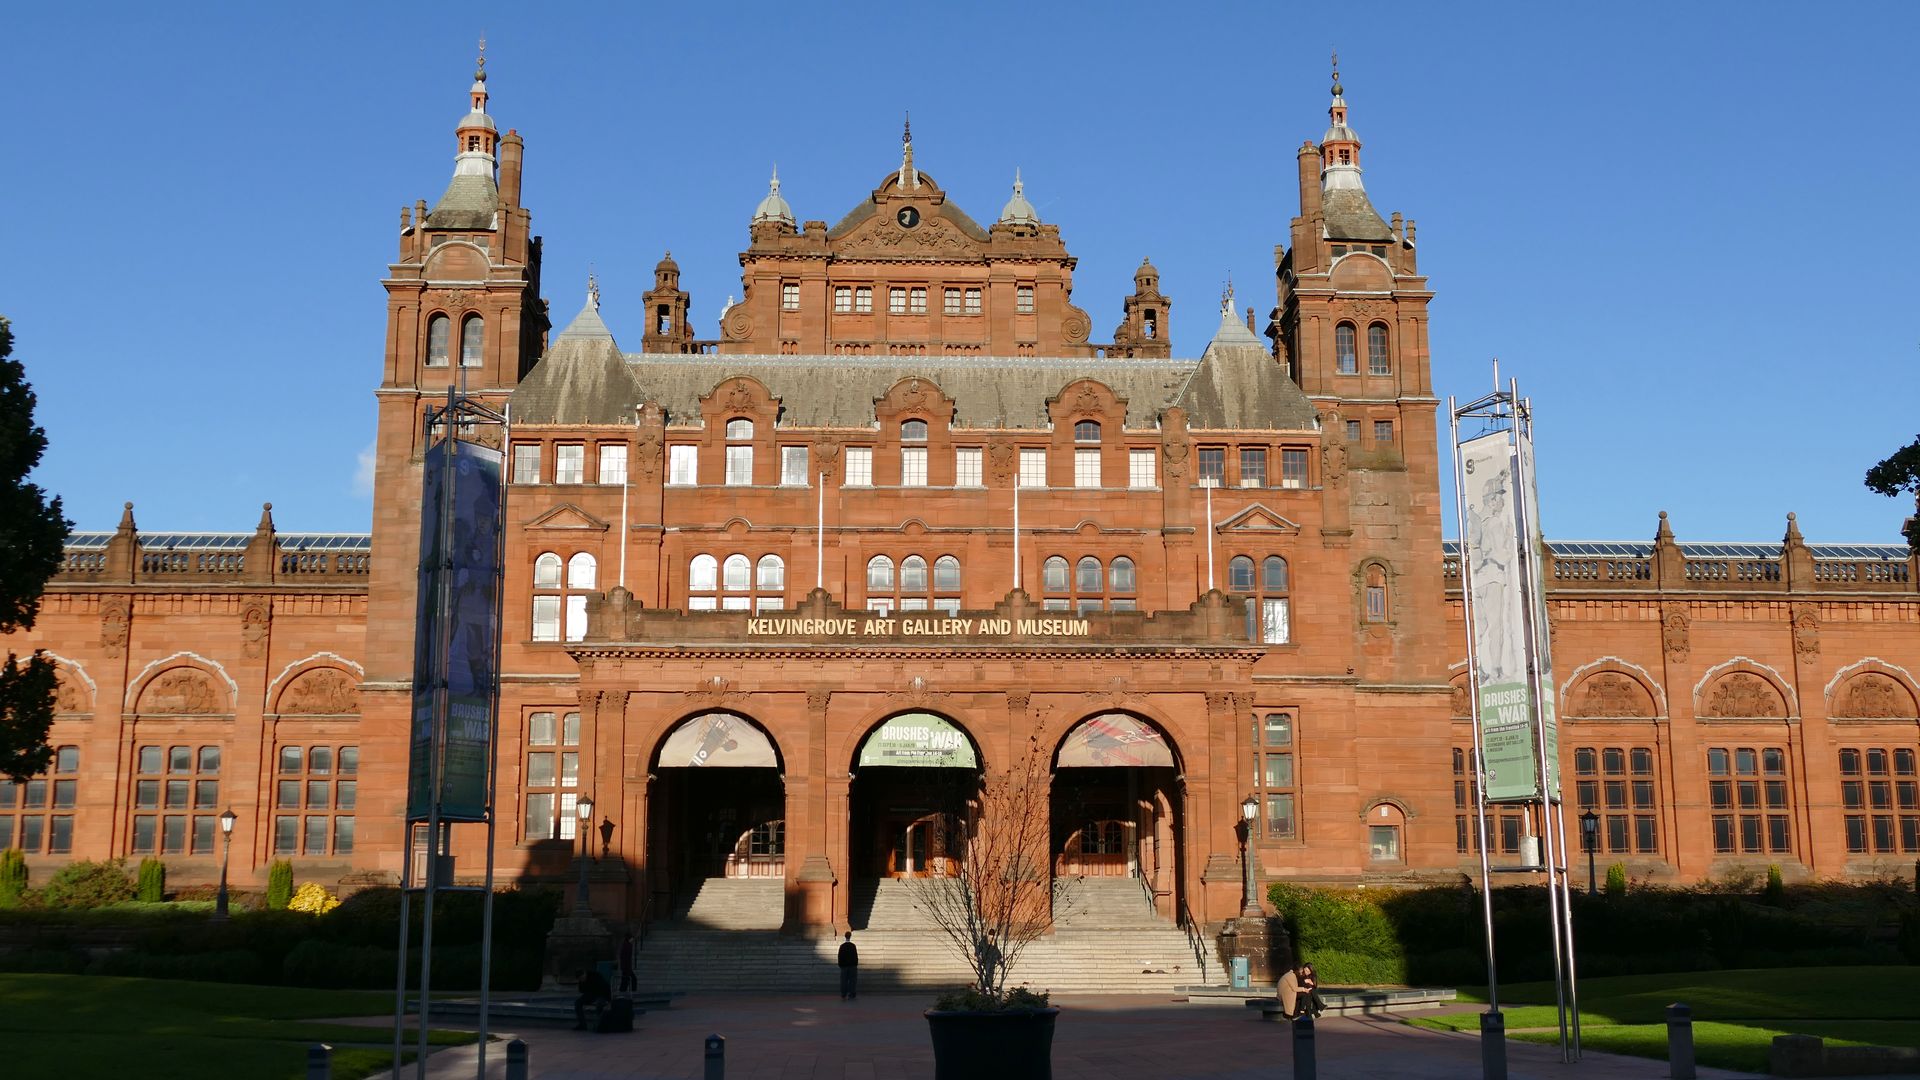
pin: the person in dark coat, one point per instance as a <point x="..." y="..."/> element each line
<point x="593" y="991"/>
<point x="849" y="969"/>
<point x="628" y="984"/>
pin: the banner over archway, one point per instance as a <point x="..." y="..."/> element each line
<point x="718" y="740"/>
<point x="1114" y="739"/>
<point x="920" y="740"/>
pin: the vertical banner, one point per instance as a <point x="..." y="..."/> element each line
<point x="1490" y="546"/>
<point x="1536" y="548"/>
<point x="454" y="631"/>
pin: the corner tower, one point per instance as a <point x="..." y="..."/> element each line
<point x="1350" y="323"/>
<point x="463" y="309"/>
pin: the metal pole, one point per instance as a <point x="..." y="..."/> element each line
<point x="493" y="720"/>
<point x="1304" y="1064"/>
<point x="1016" y="523"/>
<point x="443" y="650"/>
<point x="1209" y="486"/>
<point x="406" y="919"/>
<point x="1473" y="707"/>
<point x="1566" y="905"/>
<point x="1247" y="906"/>
<point x="220" y="898"/>
<point x="582" y="904"/>
<point x="1593" y="841"/>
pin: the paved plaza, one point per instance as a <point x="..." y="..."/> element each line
<point x="794" y="1037"/>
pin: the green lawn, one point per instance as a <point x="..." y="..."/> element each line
<point x="1736" y="1013"/>
<point x="83" y="1025"/>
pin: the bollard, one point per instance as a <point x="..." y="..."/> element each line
<point x="319" y="1062"/>
<point x="1680" y="1042"/>
<point x="517" y="1060"/>
<point x="1303" y="1058"/>
<point x="1493" y="1045"/>
<point x="716" y="1058"/>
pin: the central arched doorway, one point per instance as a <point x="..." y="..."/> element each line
<point x="1115" y="834"/>
<point x="716" y="829"/>
<point x="909" y="812"/>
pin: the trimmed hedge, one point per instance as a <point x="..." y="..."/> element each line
<point x="152" y="886"/>
<point x="1436" y="935"/>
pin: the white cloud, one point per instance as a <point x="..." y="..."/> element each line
<point x="363" y="473"/>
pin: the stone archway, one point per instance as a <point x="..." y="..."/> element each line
<point x="910" y="809"/>
<point x="716" y="828"/>
<point x="1115" y="836"/>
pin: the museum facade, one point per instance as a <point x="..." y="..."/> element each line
<point x="774" y="599"/>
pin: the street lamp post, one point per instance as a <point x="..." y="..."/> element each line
<point x="1590" y="830"/>
<point x="585" y="809"/>
<point x="226" y="851"/>
<point x="1248" y="808"/>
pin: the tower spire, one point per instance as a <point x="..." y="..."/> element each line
<point x="477" y="136"/>
<point x="909" y="176"/>
<point x="1340" y="146"/>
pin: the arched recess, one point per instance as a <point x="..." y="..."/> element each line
<point x="1872" y="689"/>
<point x="1115" y="804"/>
<point x="716" y="808"/>
<point x="75" y="691"/>
<point x="1386" y="819"/>
<point x="912" y="804"/>
<point x="1745" y="689"/>
<point x="1613" y="689"/>
<point x="298" y="671"/>
<point x="183" y="684"/>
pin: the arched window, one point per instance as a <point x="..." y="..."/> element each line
<point x="1087" y="574"/>
<point x="1345" y="360"/>
<point x="1053" y="574"/>
<point x="946" y="574"/>
<point x="913" y="431"/>
<point x="1279" y="788"/>
<point x="581" y="571"/>
<point x="736" y="574"/>
<point x="1269" y="610"/>
<point x="439" y="328"/>
<point x="913" y="574"/>
<point x="1273" y="574"/>
<point x="561" y="614"/>
<point x="703" y="574"/>
<point x="1120" y="575"/>
<point x="473" y="341"/>
<point x="546" y="571"/>
<point x="1376" y="593"/>
<point x="1240" y="574"/>
<point x="772" y="573"/>
<point x="1378" y="362"/>
<point x="1086" y="431"/>
<point x="739" y="452"/>
<point x="879" y="574"/>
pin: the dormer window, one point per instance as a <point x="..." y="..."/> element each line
<point x="913" y="431"/>
<point x="1086" y="431"/>
<point x="739" y="452"/>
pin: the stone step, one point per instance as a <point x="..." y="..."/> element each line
<point x="736" y="904"/>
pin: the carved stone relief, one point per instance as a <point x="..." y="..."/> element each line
<point x="115" y="614"/>
<point x="1610" y="694"/>
<point x="1744" y="695"/>
<point x="70" y="694"/>
<point x="321" y="691"/>
<point x="181" y="690"/>
<point x="1806" y="632"/>
<point x="255" y="620"/>
<point x="1873" y="696"/>
<point x="1674" y="635"/>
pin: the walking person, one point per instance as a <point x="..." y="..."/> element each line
<point x="628" y="984"/>
<point x="849" y="969"/>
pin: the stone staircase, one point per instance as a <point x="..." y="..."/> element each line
<point x="734" y="904"/>
<point x="1110" y="942"/>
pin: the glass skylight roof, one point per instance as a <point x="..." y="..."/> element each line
<point x="1640" y="549"/>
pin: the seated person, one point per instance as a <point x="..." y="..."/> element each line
<point x="595" y="992"/>
<point x="1310" y="986"/>
<point x="1299" y="993"/>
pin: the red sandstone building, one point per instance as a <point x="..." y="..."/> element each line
<point x="767" y="592"/>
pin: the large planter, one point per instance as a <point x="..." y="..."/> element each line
<point x="1014" y="1044"/>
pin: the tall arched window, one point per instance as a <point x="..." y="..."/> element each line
<point x="1376" y="593"/>
<point x="473" y="341"/>
<point x="946" y="574"/>
<point x="1087" y="575"/>
<point x="1082" y="586"/>
<point x="736" y="574"/>
<point x="1378" y="362"/>
<point x="439" y="328"/>
<point x="560" y="613"/>
<point x="1269" y="609"/>
<point x="1345" y="359"/>
<point x="736" y="583"/>
<point x="771" y="573"/>
<point x="739" y="452"/>
<point x="703" y="574"/>
<point x="913" y="574"/>
<point x="1120" y="576"/>
<point x="879" y="574"/>
<point x="921" y="587"/>
<point x="1240" y="574"/>
<point x="1053" y="575"/>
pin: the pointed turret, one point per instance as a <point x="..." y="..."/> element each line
<point x="1018" y="210"/>
<point x="1349" y="214"/>
<point x="469" y="200"/>
<point x="773" y="208"/>
<point x="909" y="176"/>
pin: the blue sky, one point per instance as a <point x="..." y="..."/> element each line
<point x="1680" y="226"/>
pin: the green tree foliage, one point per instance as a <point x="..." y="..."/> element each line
<point x="1617" y="879"/>
<point x="279" y="885"/>
<point x="1900" y="474"/>
<point x="153" y="881"/>
<point x="1775" y="892"/>
<point x="13" y="877"/>
<point x="33" y="532"/>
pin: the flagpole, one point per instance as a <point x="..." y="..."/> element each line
<point x="820" y="536"/>
<point x="1016" y="530"/>
<point x="1209" y="486"/>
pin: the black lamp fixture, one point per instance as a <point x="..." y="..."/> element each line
<point x="227" y="819"/>
<point x="1249" y="806"/>
<point x="584" y="808"/>
<point x="1590" y="830"/>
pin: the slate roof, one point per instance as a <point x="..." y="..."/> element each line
<point x="946" y="209"/>
<point x="1350" y="216"/>
<point x="467" y="204"/>
<point x="1239" y="386"/>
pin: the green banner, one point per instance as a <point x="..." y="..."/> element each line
<point x="918" y="740"/>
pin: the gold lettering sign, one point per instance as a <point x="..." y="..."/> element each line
<point x="917" y="626"/>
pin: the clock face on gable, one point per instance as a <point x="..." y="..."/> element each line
<point x="908" y="217"/>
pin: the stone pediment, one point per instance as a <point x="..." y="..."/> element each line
<point x="566" y="516"/>
<point x="1257" y="518"/>
<point x="933" y="239"/>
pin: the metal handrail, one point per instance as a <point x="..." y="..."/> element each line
<point x="1195" y="940"/>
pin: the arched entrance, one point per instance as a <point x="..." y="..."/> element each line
<point x="715" y="814"/>
<point x="908" y="811"/>
<point x="1114" y="804"/>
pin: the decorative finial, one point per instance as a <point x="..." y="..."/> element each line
<point x="1336" y="73"/>
<point x="1016" y="180"/>
<point x="906" y="133"/>
<point x="593" y="289"/>
<point x="480" y="65"/>
<point x="775" y="185"/>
